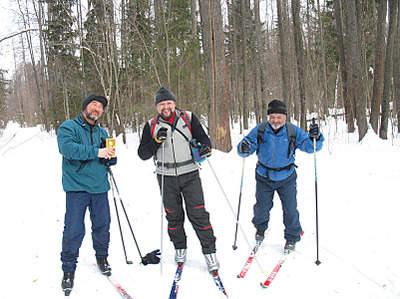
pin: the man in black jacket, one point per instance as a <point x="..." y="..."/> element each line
<point x="177" y="141"/>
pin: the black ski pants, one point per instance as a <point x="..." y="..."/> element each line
<point x="187" y="188"/>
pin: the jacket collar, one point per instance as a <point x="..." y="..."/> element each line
<point x="82" y="122"/>
<point x="277" y="131"/>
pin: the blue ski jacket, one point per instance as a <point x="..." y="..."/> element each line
<point x="273" y="152"/>
<point x="82" y="170"/>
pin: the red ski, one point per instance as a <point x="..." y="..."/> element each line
<point x="275" y="271"/>
<point x="249" y="261"/>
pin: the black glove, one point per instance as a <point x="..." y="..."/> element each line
<point x="245" y="147"/>
<point x="161" y="135"/>
<point x="314" y="132"/>
<point x="204" y="151"/>
<point x="152" y="257"/>
<point x="108" y="162"/>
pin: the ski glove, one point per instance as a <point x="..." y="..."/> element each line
<point x="204" y="151"/>
<point x="314" y="132"/>
<point x="161" y="135"/>
<point x="108" y="162"/>
<point x="245" y="147"/>
<point x="152" y="257"/>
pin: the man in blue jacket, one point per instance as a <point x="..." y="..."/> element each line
<point x="275" y="170"/>
<point x="84" y="177"/>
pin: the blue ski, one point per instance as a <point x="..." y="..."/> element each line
<point x="175" y="283"/>
<point x="218" y="282"/>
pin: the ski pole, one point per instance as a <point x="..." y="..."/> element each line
<point x="239" y="204"/>
<point x="233" y="212"/>
<point x="126" y="215"/>
<point x="317" y="262"/>
<point x="227" y="200"/>
<point x="162" y="206"/>
<point x="119" y="225"/>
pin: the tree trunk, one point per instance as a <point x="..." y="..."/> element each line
<point x="213" y="38"/>
<point x="325" y="103"/>
<point x="348" y="108"/>
<point x="379" y="66"/>
<point x="245" y="101"/>
<point x="301" y="68"/>
<point x="388" y="75"/>
<point x="396" y="69"/>
<point x="284" y="54"/>
<point x="260" y="59"/>
<point x="354" y="69"/>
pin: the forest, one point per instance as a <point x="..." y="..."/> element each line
<point x="223" y="59"/>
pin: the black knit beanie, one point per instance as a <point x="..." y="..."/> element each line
<point x="94" y="97"/>
<point x="163" y="94"/>
<point x="276" y="106"/>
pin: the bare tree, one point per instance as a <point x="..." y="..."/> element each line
<point x="214" y="49"/>
<point x="354" y="69"/>
<point x="348" y="107"/>
<point x="284" y="52"/>
<point x="388" y="75"/>
<point x="396" y="70"/>
<point x="301" y="69"/>
<point x="377" y="91"/>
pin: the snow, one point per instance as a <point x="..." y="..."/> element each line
<point x="358" y="224"/>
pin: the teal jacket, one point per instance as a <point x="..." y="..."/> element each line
<point x="79" y="143"/>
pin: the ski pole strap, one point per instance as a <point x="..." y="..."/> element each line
<point x="175" y="164"/>
<point x="288" y="167"/>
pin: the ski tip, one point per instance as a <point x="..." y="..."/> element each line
<point x="263" y="285"/>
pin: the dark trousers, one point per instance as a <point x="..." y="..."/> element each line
<point x="187" y="188"/>
<point x="74" y="226"/>
<point x="287" y="192"/>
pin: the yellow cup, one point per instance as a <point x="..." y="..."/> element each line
<point x="111" y="143"/>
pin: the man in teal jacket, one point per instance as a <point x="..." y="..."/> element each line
<point x="275" y="170"/>
<point x="84" y="178"/>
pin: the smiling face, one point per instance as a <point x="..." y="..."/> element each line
<point x="276" y="120"/>
<point x="93" y="111"/>
<point x="166" y="108"/>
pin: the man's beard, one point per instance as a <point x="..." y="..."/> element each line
<point x="91" y="117"/>
<point x="276" y="127"/>
<point x="169" y="111"/>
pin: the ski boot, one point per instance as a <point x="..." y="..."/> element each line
<point x="259" y="236"/>
<point x="67" y="282"/>
<point x="290" y="246"/>
<point x="180" y="256"/>
<point x="104" y="266"/>
<point x="212" y="262"/>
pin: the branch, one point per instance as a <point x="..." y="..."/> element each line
<point x="17" y="33"/>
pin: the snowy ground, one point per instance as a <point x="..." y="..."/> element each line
<point x="358" y="221"/>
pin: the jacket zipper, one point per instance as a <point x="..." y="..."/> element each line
<point x="85" y="162"/>
<point x="173" y="153"/>
<point x="91" y="134"/>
